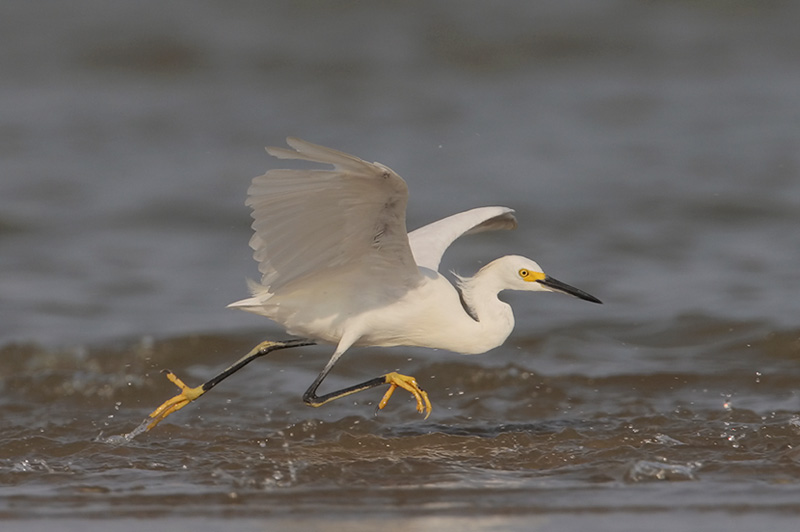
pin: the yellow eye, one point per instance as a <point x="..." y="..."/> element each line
<point x="524" y="273"/>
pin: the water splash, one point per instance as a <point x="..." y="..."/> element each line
<point x="121" y="439"/>
<point x="644" y="470"/>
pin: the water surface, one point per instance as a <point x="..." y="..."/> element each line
<point x="649" y="149"/>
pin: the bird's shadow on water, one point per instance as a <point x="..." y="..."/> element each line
<point x="487" y="430"/>
<point x="368" y="426"/>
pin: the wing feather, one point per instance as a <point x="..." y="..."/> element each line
<point x="428" y="243"/>
<point x="341" y="222"/>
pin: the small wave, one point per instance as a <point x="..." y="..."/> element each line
<point x="646" y="470"/>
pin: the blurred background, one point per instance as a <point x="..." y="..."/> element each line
<point x="650" y="150"/>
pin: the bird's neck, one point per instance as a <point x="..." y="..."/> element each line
<point x="494" y="318"/>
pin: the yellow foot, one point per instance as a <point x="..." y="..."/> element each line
<point x="405" y="382"/>
<point x="174" y="404"/>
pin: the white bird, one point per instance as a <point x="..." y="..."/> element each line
<point x="338" y="267"/>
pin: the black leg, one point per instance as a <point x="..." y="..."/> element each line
<point x="394" y="380"/>
<point x="311" y="399"/>
<point x="264" y="348"/>
<point x="188" y="395"/>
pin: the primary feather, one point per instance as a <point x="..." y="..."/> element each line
<point x="329" y="222"/>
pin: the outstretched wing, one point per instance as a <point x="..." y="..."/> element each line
<point x="347" y="221"/>
<point x="429" y="243"/>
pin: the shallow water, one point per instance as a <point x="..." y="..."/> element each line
<point x="503" y="439"/>
<point x="649" y="149"/>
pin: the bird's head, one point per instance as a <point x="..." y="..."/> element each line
<point x="521" y="273"/>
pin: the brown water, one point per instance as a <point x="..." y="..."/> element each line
<point x="717" y="440"/>
<point x="649" y="149"/>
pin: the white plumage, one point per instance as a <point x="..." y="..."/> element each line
<point x="338" y="267"/>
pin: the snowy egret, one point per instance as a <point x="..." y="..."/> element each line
<point x="338" y="267"/>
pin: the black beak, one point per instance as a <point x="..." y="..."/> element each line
<point x="564" y="288"/>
